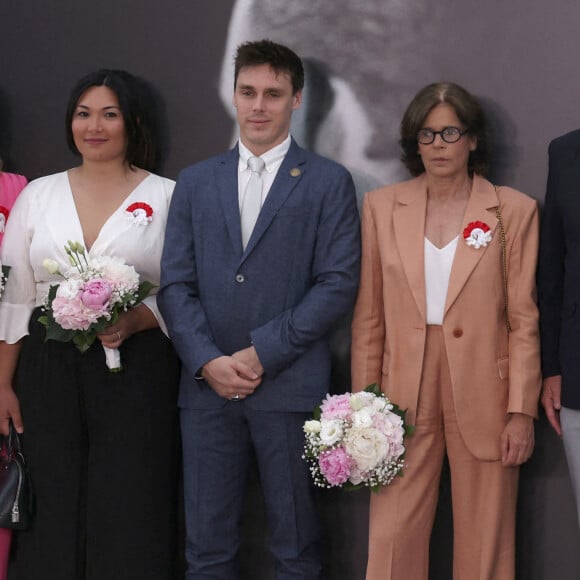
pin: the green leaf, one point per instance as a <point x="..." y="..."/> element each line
<point x="352" y="486"/>
<point x="56" y="332"/>
<point x="317" y="413"/>
<point x="51" y="295"/>
<point x="374" y="389"/>
<point x="84" y="340"/>
<point x="5" y="271"/>
<point x="144" y="290"/>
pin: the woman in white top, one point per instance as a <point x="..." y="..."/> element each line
<point x="101" y="446"/>
<point x="435" y="327"/>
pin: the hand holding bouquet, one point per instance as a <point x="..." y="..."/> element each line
<point x="91" y="297"/>
<point x="356" y="440"/>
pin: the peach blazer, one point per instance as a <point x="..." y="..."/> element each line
<point x="492" y="373"/>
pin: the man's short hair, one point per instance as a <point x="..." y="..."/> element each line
<point x="279" y="57"/>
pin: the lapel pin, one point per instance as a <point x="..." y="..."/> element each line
<point x="295" y="172"/>
<point x="477" y="234"/>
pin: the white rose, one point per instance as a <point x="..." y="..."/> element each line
<point x="363" y="418"/>
<point x="312" y="426"/>
<point x="367" y="447"/>
<point x="330" y="432"/>
<point x="51" y="266"/>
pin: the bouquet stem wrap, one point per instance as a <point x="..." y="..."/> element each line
<point x="113" y="359"/>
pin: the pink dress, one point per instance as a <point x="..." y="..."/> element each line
<point x="10" y="186"/>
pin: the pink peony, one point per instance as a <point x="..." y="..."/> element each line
<point x="72" y="314"/>
<point x="96" y="294"/>
<point x="336" y="407"/>
<point x="335" y="465"/>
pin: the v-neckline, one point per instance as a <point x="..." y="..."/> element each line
<point x="106" y="222"/>
<point x="443" y="248"/>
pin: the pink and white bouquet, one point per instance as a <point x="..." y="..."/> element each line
<point x="356" y="440"/>
<point x="91" y="297"/>
<point x="3" y="277"/>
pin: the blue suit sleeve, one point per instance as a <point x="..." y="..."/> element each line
<point x="178" y="296"/>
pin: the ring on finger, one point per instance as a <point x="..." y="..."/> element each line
<point x="235" y="397"/>
<point x="118" y="335"/>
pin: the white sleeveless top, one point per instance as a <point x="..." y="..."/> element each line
<point x="438" y="262"/>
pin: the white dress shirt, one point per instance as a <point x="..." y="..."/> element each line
<point x="272" y="158"/>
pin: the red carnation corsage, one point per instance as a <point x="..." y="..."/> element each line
<point x="477" y="234"/>
<point x="4" y="213"/>
<point x="139" y="213"/>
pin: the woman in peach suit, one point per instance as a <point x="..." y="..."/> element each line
<point x="446" y="323"/>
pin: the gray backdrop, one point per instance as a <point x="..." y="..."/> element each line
<point x="365" y="61"/>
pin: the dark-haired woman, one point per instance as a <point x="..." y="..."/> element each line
<point x="446" y="323"/>
<point x="101" y="446"/>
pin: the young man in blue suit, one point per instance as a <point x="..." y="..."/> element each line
<point x="559" y="298"/>
<point x="261" y="260"/>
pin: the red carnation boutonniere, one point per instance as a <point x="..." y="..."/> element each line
<point x="477" y="234"/>
<point x="139" y="213"/>
<point x="4" y="213"/>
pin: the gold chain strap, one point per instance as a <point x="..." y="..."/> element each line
<point x="504" y="268"/>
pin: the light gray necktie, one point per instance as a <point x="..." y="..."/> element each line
<point x="252" y="200"/>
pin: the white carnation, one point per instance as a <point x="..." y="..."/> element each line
<point x="122" y="277"/>
<point x="69" y="289"/>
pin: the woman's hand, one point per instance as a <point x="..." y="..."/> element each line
<point x="9" y="409"/>
<point x="517" y="440"/>
<point x="129" y="322"/>
<point x="9" y="405"/>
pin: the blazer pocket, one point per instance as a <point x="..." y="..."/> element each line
<point x="503" y="367"/>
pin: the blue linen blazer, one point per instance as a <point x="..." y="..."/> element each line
<point x="297" y="277"/>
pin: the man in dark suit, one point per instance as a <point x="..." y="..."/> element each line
<point x="559" y="298"/>
<point x="249" y="291"/>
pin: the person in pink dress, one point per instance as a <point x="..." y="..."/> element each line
<point x="11" y="185"/>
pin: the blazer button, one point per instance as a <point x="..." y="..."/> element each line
<point x="240" y="278"/>
<point x="457" y="332"/>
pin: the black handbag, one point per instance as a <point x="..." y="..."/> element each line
<point x="15" y="490"/>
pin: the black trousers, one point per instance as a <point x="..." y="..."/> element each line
<point x="102" y="450"/>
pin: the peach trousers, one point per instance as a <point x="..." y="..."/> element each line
<point x="484" y="493"/>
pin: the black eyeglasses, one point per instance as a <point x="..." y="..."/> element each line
<point x="448" y="134"/>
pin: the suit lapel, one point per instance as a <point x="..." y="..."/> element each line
<point x="288" y="177"/>
<point x="227" y="191"/>
<point x="480" y="207"/>
<point x="409" y="226"/>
